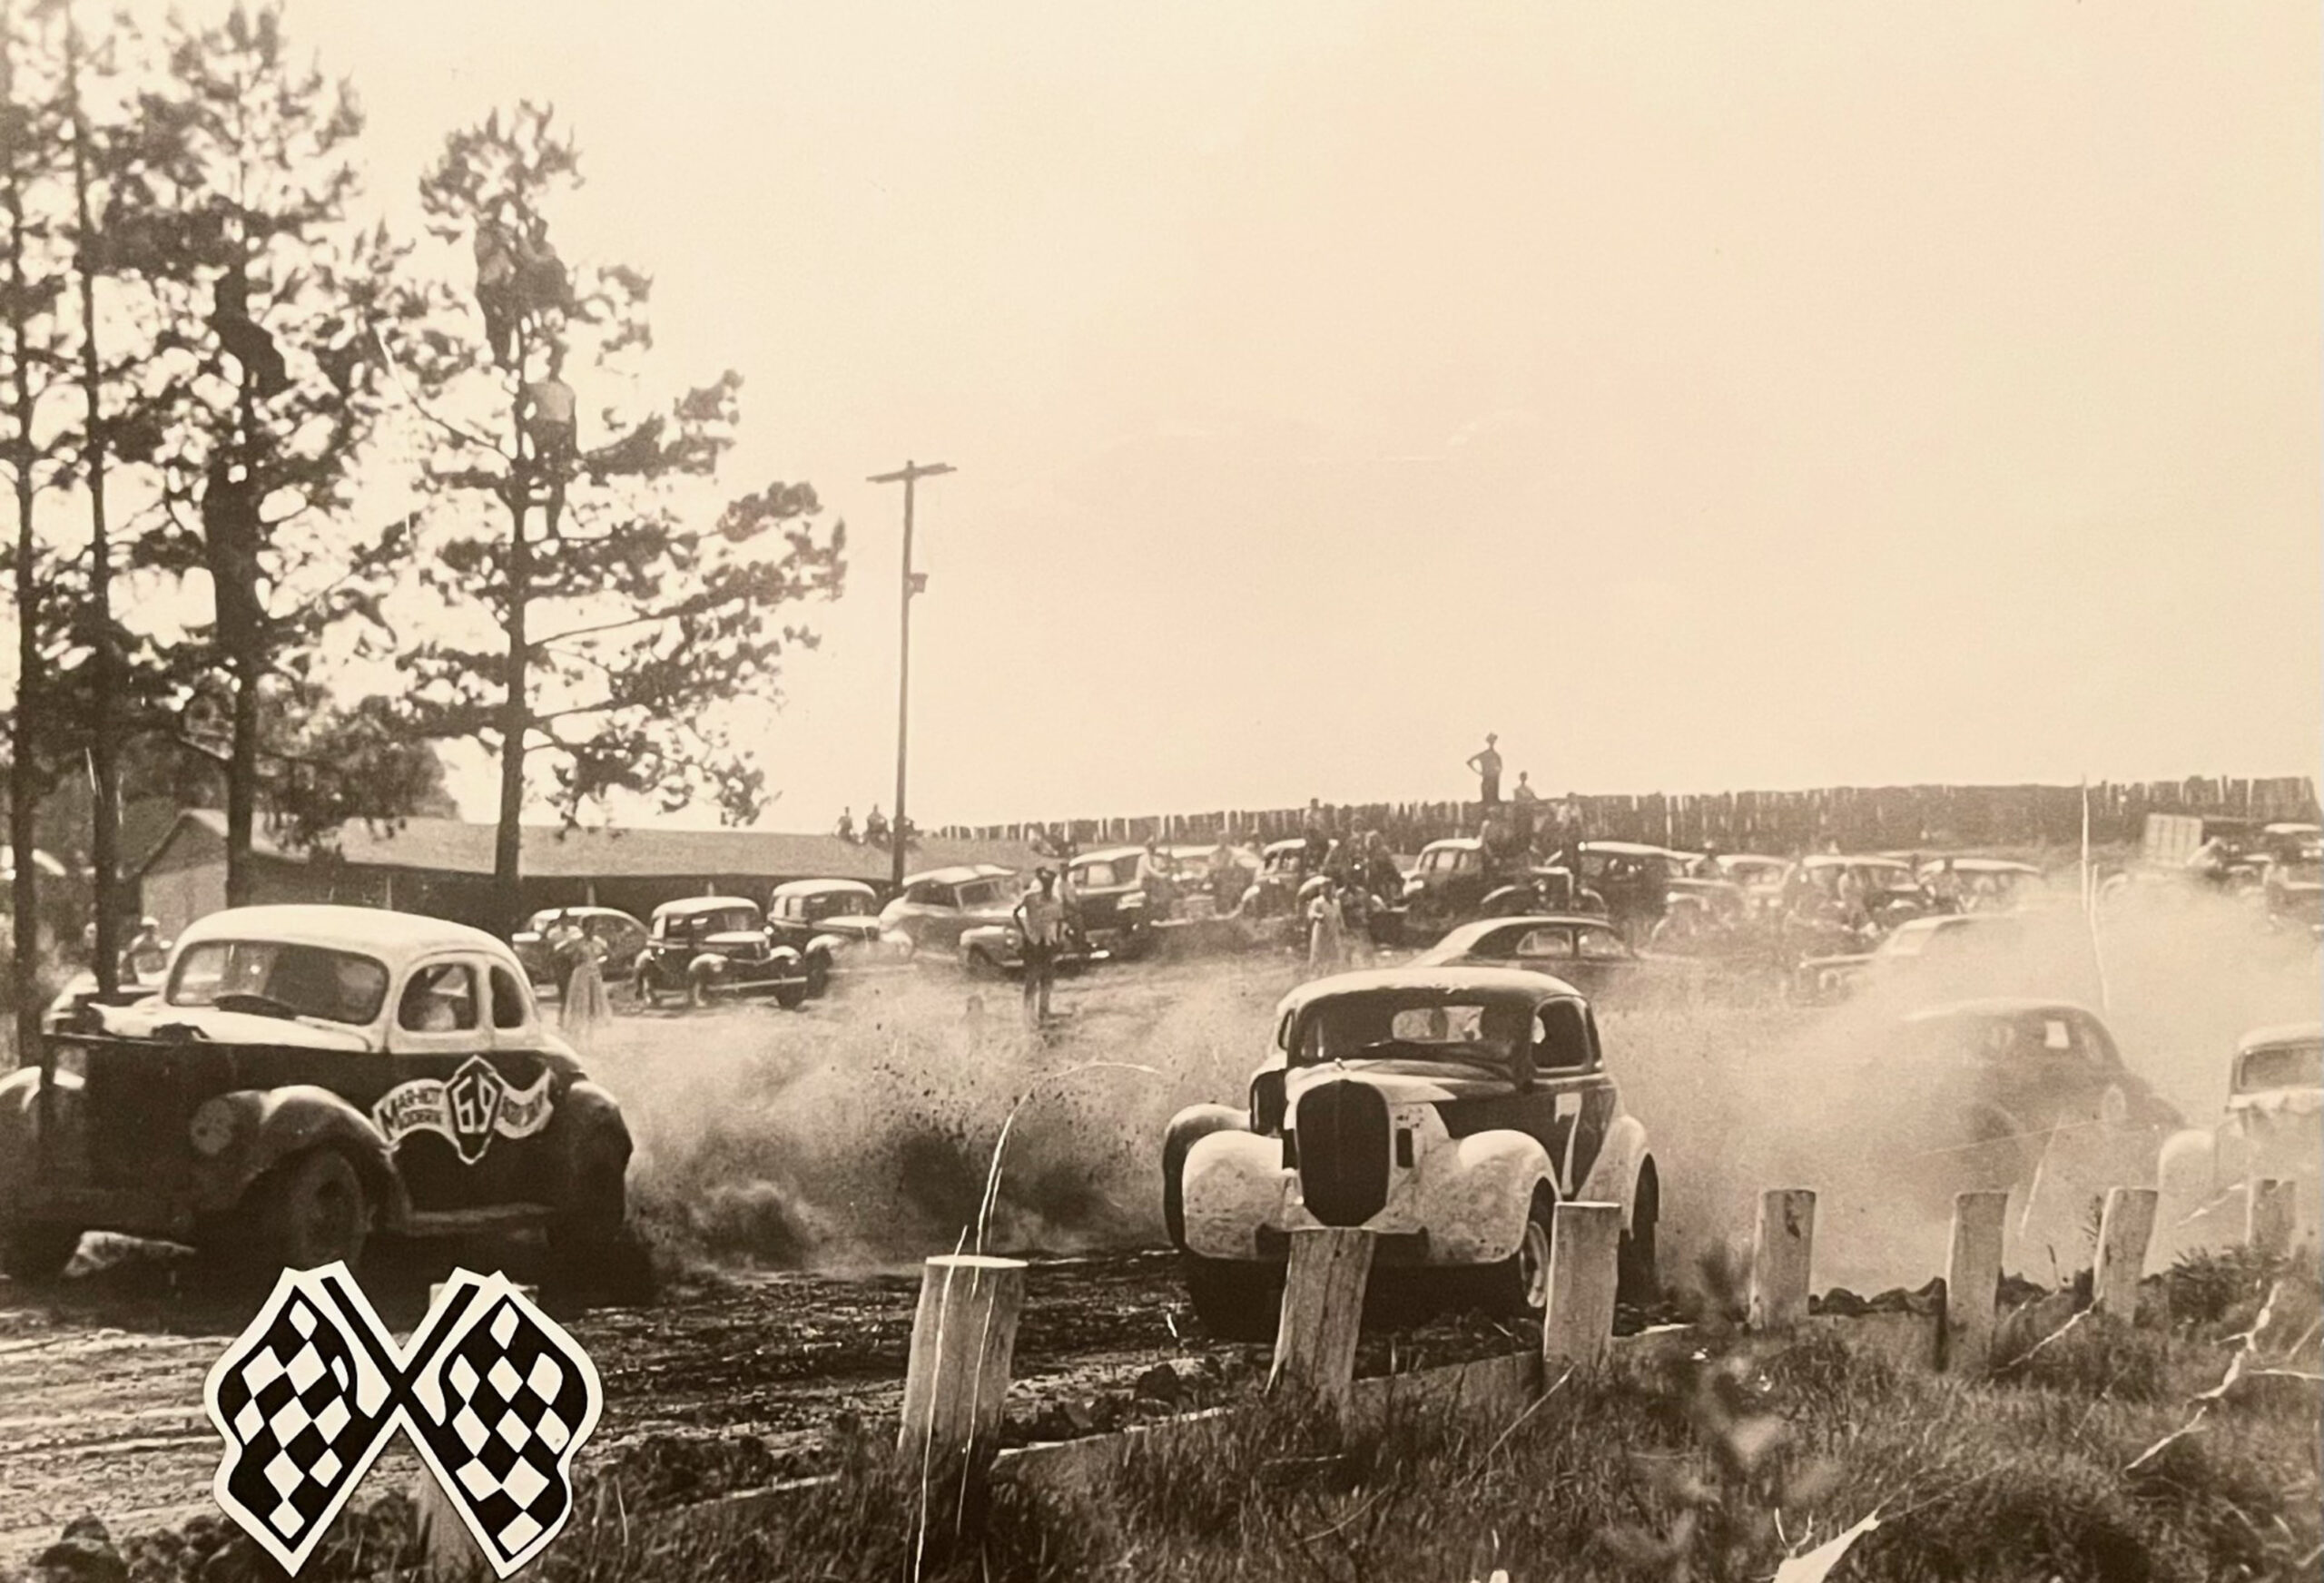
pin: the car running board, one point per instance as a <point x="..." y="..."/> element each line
<point x="488" y="1219"/>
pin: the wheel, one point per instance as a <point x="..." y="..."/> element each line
<point x="597" y="1257"/>
<point x="37" y="1253"/>
<point x="312" y="1211"/>
<point x="1638" y="1279"/>
<point x="1235" y="1300"/>
<point x="790" y="993"/>
<point x="977" y="965"/>
<point x="1520" y="1285"/>
<point x="819" y="975"/>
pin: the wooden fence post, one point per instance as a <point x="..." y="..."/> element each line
<point x="963" y="1336"/>
<point x="2269" y="1210"/>
<point x="1323" y="1311"/>
<point x="1585" y="1246"/>
<point x="1783" y="1248"/>
<point x="2124" y="1227"/>
<point x="1972" y="1280"/>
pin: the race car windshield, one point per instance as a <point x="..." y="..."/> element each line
<point x="301" y="981"/>
<point x="1472" y="1033"/>
<point x="2286" y="1066"/>
<point x="835" y="904"/>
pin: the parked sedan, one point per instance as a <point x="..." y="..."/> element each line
<point x="935" y="908"/>
<point x="623" y="936"/>
<point x="1582" y="950"/>
<point x="835" y="926"/>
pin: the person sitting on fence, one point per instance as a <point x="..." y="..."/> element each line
<point x="875" y="828"/>
<point x="846" y="830"/>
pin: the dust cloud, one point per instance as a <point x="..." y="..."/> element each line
<point x="860" y="1133"/>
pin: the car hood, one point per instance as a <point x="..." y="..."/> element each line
<point x="734" y="939"/>
<point x="1400" y="1082"/>
<point x="854" y="924"/>
<point x="145" y="1018"/>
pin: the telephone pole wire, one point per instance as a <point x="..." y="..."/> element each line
<point x="911" y="474"/>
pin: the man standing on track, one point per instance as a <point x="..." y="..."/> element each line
<point x="1040" y="922"/>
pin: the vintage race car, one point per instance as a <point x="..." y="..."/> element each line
<point x="1944" y="956"/>
<point x="835" y="926"/>
<point x="935" y="908"/>
<point x="307" y="1076"/>
<point x="1449" y="1109"/>
<point x="1452" y="882"/>
<point x="1982" y="884"/>
<point x="2272" y="1127"/>
<point x="1113" y="906"/>
<point x="1582" y="948"/>
<point x="710" y="947"/>
<point x="623" y="936"/>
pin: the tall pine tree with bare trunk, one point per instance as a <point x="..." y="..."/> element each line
<point x="591" y="616"/>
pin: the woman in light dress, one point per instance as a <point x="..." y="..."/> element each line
<point x="584" y="1007"/>
<point x="1327" y="943"/>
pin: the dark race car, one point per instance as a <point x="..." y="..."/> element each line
<point x="710" y="947"/>
<point x="309" y="1076"/>
<point x="1449" y="1109"/>
<point x="1456" y="880"/>
<point x="835" y="926"/>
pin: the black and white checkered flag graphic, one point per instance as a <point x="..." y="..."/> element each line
<point x="495" y="1394"/>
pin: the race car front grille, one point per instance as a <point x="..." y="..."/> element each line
<point x="1342" y="1131"/>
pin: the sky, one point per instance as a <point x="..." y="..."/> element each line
<point x="1702" y="397"/>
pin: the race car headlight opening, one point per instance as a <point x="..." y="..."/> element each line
<point x="211" y="1129"/>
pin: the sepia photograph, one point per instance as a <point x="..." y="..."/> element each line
<point x="1306" y="791"/>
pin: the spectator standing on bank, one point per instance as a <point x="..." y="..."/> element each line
<point x="846" y="830"/>
<point x="1326" y="932"/>
<point x="875" y="828"/>
<point x="1486" y="765"/>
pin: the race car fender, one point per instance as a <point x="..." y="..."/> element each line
<point x="1471" y="1195"/>
<point x="20" y="1123"/>
<point x="1188" y="1126"/>
<point x="831" y="947"/>
<point x="1234" y="1182"/>
<point x="256" y="1129"/>
<point x="591" y="1139"/>
<point x="1613" y="1178"/>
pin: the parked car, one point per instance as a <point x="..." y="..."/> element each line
<point x="709" y="948"/>
<point x="1580" y="948"/>
<point x="1975" y="1094"/>
<point x="1111" y="904"/>
<point x="2291" y="893"/>
<point x="306" y="1077"/>
<point x="935" y="908"/>
<point x="623" y="937"/>
<point x="835" y="926"/>
<point x="1449" y="1109"/>
<point x="1452" y="882"/>
<point x="1985" y="884"/>
<point x="1760" y="879"/>
<point x="1944" y="955"/>
<point x="2272" y="1126"/>
<point x="1282" y="871"/>
<point x="997" y="951"/>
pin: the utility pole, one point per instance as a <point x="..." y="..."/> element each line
<point x="912" y="472"/>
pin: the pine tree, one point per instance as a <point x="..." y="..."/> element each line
<point x="614" y="625"/>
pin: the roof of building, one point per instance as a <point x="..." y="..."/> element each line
<point x="455" y="846"/>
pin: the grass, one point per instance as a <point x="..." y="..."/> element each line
<point x="1712" y="1469"/>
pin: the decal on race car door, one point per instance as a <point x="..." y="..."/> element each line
<point x="471" y="1108"/>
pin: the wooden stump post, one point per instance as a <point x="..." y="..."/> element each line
<point x="2124" y="1228"/>
<point x="1783" y="1250"/>
<point x="1323" y="1311"/>
<point x="1972" y="1280"/>
<point x="957" y="1379"/>
<point x="2270" y="1210"/>
<point x="452" y="1551"/>
<point x="1584" y="1253"/>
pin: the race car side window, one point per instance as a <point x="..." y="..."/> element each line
<point x="1546" y="942"/>
<point x="1601" y="944"/>
<point x="508" y="1002"/>
<point x="1561" y="1042"/>
<point x="440" y="998"/>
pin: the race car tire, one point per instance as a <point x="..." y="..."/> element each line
<point x="312" y="1211"/>
<point x="37" y="1253"/>
<point x="975" y="964"/>
<point x="792" y="994"/>
<point x="1637" y="1281"/>
<point x="1235" y="1300"/>
<point x="819" y="975"/>
<point x="1520" y="1285"/>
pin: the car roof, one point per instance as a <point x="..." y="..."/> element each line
<point x="1754" y="858"/>
<point x="1999" y="1006"/>
<point x="1455" y="843"/>
<point x="1286" y="843"/>
<point x="702" y="904"/>
<point x="1981" y="866"/>
<point x="1109" y="854"/>
<point x="2283" y="1033"/>
<point x="370" y="930"/>
<point x="546" y="912"/>
<point x="1843" y="859"/>
<point x="1460" y="937"/>
<point x="820" y="887"/>
<point x="1634" y="850"/>
<point x="959" y="874"/>
<point x="1510" y="983"/>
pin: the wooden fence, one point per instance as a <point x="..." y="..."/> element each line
<point x="1860" y="818"/>
<point x="964" y="1336"/>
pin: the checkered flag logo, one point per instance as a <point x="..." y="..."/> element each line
<point x="495" y="1394"/>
